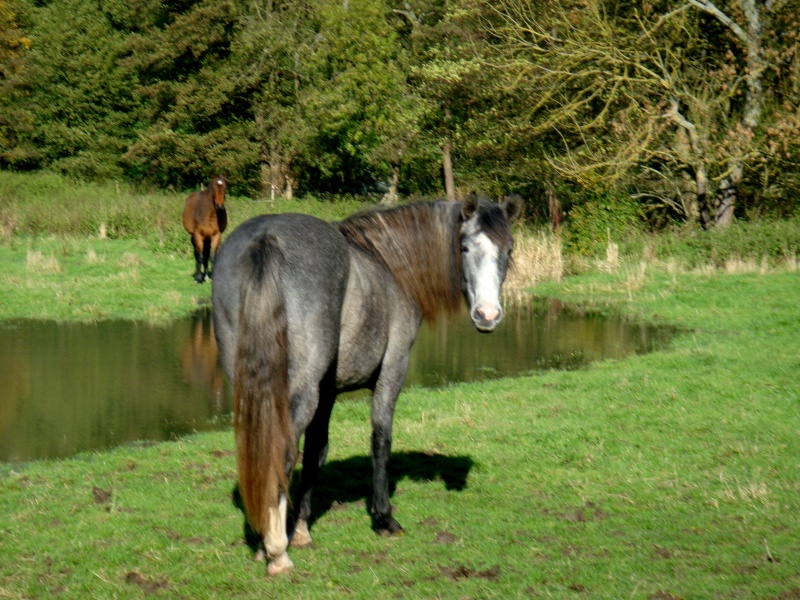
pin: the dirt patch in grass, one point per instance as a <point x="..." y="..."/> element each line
<point x="461" y="572"/>
<point x="146" y="584"/>
<point x="583" y="514"/>
<point x="445" y="537"/>
<point x="662" y="595"/>
<point x="101" y="496"/>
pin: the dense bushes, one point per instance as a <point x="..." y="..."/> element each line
<point x="600" y="219"/>
<point x="772" y="240"/>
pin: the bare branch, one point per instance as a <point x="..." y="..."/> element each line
<point x="709" y="7"/>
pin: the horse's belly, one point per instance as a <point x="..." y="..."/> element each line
<point x="364" y="328"/>
<point x="360" y="356"/>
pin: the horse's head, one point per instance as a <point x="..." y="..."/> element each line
<point x="486" y="245"/>
<point x="217" y="187"/>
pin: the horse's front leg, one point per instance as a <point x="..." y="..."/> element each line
<point x="197" y="245"/>
<point x="215" y="240"/>
<point x="384" y="400"/>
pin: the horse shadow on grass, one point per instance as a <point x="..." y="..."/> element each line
<point x="350" y="480"/>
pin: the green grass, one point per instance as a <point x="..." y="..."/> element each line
<point x="58" y="265"/>
<point x="90" y="279"/>
<point x="669" y="475"/>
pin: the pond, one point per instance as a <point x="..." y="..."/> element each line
<point x="73" y="387"/>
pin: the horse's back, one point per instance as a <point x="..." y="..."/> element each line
<point x="314" y="264"/>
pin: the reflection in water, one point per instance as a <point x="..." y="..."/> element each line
<point x="85" y="386"/>
<point x="537" y="334"/>
<point x="73" y="387"/>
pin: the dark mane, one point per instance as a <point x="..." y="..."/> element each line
<point x="411" y="242"/>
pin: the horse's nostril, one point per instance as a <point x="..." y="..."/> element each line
<point x="488" y="312"/>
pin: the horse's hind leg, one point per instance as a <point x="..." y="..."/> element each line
<point x="276" y="542"/>
<point x="315" y="450"/>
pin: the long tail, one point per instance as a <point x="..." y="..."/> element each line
<point x="262" y="418"/>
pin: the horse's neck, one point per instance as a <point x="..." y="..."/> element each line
<point x="418" y="245"/>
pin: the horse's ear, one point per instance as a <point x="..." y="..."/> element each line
<point x="469" y="205"/>
<point x="512" y="207"/>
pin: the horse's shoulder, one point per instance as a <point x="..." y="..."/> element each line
<point x="191" y="198"/>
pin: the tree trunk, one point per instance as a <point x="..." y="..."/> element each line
<point x="447" y="166"/>
<point x="390" y="197"/>
<point x="726" y="200"/>
<point x="263" y="153"/>
<point x="554" y="211"/>
<point x="689" y="203"/>
<point x="275" y="174"/>
<point x="289" y="182"/>
<point x="751" y="39"/>
<point x="701" y="180"/>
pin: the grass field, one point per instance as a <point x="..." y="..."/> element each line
<point x="669" y="475"/>
<point x="88" y="252"/>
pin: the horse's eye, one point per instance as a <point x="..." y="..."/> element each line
<point x="464" y="249"/>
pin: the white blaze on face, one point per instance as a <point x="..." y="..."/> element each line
<point x="480" y="264"/>
<point x="220" y="182"/>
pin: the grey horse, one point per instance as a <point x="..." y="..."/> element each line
<point x="305" y="309"/>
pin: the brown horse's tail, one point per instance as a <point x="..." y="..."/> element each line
<point x="262" y="418"/>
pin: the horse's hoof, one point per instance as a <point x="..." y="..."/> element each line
<point x="387" y="527"/>
<point x="260" y="556"/>
<point x="301" y="538"/>
<point x="281" y="564"/>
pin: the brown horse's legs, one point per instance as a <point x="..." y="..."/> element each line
<point x="206" y="258"/>
<point x="215" y="240"/>
<point x="200" y="257"/>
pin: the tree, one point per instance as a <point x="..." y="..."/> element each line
<point x="361" y="108"/>
<point x="273" y="53"/>
<point x="13" y="45"/>
<point x="658" y="99"/>
<point x="196" y="114"/>
<point x="74" y="108"/>
<point x="440" y="71"/>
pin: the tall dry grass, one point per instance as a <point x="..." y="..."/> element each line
<point x="537" y="258"/>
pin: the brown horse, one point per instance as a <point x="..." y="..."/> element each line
<point x="205" y="218"/>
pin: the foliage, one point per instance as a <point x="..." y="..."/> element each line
<point x="688" y="107"/>
<point x="601" y="219"/>
<point x="76" y="107"/>
<point x="686" y="104"/>
<point x="773" y="241"/>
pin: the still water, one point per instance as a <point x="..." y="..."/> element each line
<point x="72" y="387"/>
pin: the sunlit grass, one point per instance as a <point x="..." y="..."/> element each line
<point x="667" y="475"/>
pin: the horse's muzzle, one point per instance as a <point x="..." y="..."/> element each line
<point x="486" y="317"/>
